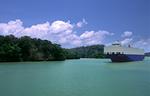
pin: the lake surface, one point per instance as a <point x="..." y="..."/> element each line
<point x="83" y="77"/>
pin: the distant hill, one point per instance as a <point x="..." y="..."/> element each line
<point x="147" y="54"/>
<point x="93" y="51"/>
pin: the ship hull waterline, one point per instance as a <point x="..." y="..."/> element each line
<point x="125" y="57"/>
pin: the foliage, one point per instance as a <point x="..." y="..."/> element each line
<point x="28" y="49"/>
<point x="93" y="51"/>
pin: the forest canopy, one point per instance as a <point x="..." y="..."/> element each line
<point x="28" y="49"/>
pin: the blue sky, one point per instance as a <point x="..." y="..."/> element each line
<point x="84" y="22"/>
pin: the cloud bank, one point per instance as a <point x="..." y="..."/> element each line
<point x="60" y="32"/>
<point x="64" y="33"/>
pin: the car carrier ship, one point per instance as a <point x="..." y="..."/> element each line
<point x="118" y="53"/>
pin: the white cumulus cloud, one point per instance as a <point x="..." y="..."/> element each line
<point x="36" y="31"/>
<point x="127" y="34"/>
<point x="12" y="27"/>
<point x="92" y="37"/>
<point x="60" y="32"/>
<point x="59" y="26"/>
<point x="126" y="41"/>
<point x="143" y="44"/>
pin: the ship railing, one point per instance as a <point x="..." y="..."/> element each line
<point x="110" y="53"/>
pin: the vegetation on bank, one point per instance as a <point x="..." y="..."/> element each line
<point x="32" y="49"/>
<point x="28" y="49"/>
<point x="93" y="51"/>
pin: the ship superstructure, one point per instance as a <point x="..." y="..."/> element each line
<point x="118" y="53"/>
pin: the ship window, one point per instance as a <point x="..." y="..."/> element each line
<point x="113" y="52"/>
<point x="118" y="52"/>
<point x="107" y="53"/>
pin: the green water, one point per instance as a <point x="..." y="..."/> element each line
<point x="83" y="77"/>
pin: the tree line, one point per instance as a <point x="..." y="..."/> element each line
<point x="28" y="49"/>
<point x="33" y="49"/>
<point x="93" y="51"/>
